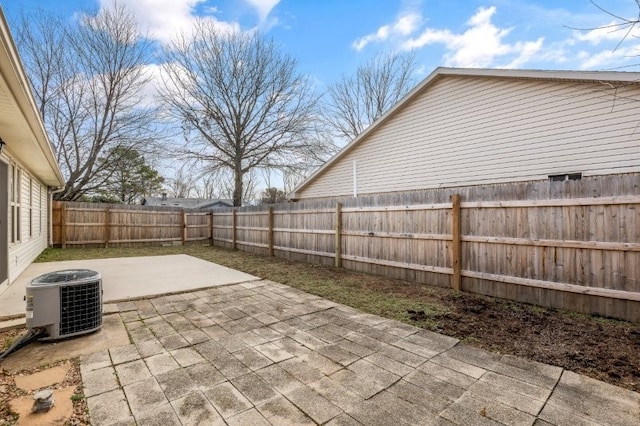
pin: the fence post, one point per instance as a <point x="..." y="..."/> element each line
<point x="63" y="225"/>
<point x="234" y="221"/>
<point x="270" y="231"/>
<point x="211" y="228"/>
<point x="184" y="226"/>
<point x="107" y="226"/>
<point x="338" y="245"/>
<point x="456" y="264"/>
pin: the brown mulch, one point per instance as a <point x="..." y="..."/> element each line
<point x="9" y="390"/>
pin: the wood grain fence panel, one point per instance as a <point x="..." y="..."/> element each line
<point x="572" y="253"/>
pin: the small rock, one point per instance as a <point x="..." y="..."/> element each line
<point x="43" y="401"/>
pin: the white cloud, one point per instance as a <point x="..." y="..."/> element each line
<point x="605" y="33"/>
<point x="263" y="7"/>
<point x="480" y="45"/>
<point x="404" y="25"/>
<point x="609" y="58"/>
<point x="166" y="18"/>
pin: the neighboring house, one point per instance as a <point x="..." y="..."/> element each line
<point x="187" y="203"/>
<point x="28" y="169"/>
<point x="469" y="127"/>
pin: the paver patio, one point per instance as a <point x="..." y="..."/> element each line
<point x="264" y="353"/>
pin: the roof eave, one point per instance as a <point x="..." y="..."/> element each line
<point x="20" y="86"/>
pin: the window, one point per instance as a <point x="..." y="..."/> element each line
<point x="565" y="177"/>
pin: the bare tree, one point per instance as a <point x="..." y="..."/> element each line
<point x="241" y="101"/>
<point x="86" y="76"/>
<point x="183" y="183"/>
<point x="354" y="102"/>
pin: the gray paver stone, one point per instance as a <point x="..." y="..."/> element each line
<point x="389" y="364"/>
<point x="163" y="415"/>
<point x="175" y="383"/>
<point x="443" y="373"/>
<point x="274" y="352"/>
<point x="359" y="385"/>
<point x="204" y="375"/>
<point x="313" y="404"/>
<point x="494" y="410"/>
<point x="508" y="397"/>
<point x="372" y="372"/>
<point x="252" y="358"/>
<point x="195" y="336"/>
<point x="462" y="415"/>
<point x="336" y="393"/>
<point x="254" y="388"/>
<point x="343" y="420"/>
<point x="279" y="411"/>
<point x="227" y="399"/>
<point x="149" y="348"/>
<point x="405" y="411"/>
<point x="320" y="362"/>
<point x="279" y="379"/>
<point x="132" y="372"/>
<point x="99" y="381"/>
<point x="144" y="396"/>
<point x="195" y="410"/>
<point x="301" y="371"/>
<point x="186" y="357"/>
<point x="595" y="400"/>
<point x="109" y="408"/>
<point x="459" y="366"/>
<point x="95" y="361"/>
<point x="370" y="414"/>
<point x="250" y="417"/>
<point x="173" y="341"/>
<point x="161" y="363"/>
<point x="338" y="354"/>
<point x="215" y="332"/>
<point x="122" y="354"/>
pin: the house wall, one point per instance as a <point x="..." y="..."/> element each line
<point x="463" y="131"/>
<point x="32" y="220"/>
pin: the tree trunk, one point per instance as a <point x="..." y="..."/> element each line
<point x="237" y="189"/>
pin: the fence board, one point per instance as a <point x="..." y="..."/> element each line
<point x="580" y="253"/>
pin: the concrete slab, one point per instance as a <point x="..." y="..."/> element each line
<point x="112" y="334"/>
<point x="130" y="277"/>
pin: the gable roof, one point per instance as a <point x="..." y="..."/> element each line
<point x="442" y="72"/>
<point x="21" y="125"/>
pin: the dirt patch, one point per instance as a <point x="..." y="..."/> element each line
<point x="9" y="391"/>
<point x="598" y="347"/>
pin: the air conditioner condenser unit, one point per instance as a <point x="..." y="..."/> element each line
<point x="65" y="303"/>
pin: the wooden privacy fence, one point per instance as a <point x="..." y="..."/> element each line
<point x="581" y="254"/>
<point x="89" y="224"/>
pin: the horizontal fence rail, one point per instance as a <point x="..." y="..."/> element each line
<point x="581" y="254"/>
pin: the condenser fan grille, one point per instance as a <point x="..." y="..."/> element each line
<point x="80" y="307"/>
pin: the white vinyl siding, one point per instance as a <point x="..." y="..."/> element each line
<point x="465" y="130"/>
<point x="32" y="211"/>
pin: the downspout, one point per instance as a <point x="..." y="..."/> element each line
<point x="50" y="213"/>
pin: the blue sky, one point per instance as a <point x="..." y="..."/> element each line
<point x="332" y="37"/>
